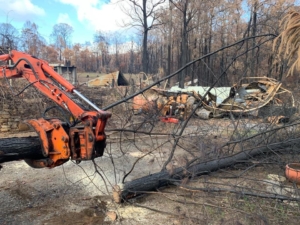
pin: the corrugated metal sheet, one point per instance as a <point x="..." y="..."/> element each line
<point x="221" y="93"/>
<point x="107" y="80"/>
<point x="56" y="64"/>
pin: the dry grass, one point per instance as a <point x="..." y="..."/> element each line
<point x="288" y="42"/>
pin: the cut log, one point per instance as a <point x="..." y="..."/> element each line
<point x="164" y="178"/>
<point x="30" y="147"/>
<point x="20" y="148"/>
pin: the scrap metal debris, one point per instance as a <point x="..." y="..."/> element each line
<point x="256" y="96"/>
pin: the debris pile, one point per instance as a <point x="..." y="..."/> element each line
<point x="256" y="96"/>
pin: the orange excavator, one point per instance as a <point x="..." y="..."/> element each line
<point x="60" y="141"/>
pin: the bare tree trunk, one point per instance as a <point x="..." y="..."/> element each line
<point x="164" y="178"/>
<point x="20" y="148"/>
<point x="184" y="45"/>
<point x="169" y="43"/>
<point x="253" y="63"/>
<point x="145" y="38"/>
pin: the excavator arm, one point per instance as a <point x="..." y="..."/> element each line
<point x="59" y="140"/>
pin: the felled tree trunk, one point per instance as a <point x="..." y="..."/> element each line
<point x="164" y="178"/>
<point x="30" y="147"/>
<point x="20" y="148"/>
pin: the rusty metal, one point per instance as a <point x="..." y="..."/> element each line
<point x="204" y="114"/>
<point x="247" y="97"/>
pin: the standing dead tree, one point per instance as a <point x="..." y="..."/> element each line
<point x="144" y="15"/>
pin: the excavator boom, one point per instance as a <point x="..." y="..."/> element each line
<point x="60" y="141"/>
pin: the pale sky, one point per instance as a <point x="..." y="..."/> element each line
<point x="85" y="16"/>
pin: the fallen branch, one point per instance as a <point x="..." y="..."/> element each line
<point x="241" y="192"/>
<point x="164" y="178"/>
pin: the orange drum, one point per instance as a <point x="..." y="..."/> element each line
<point x="292" y="172"/>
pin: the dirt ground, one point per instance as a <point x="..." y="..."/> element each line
<point x="74" y="194"/>
<point x="69" y="194"/>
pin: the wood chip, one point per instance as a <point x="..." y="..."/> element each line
<point x="111" y="215"/>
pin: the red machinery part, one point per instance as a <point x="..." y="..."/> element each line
<point x="59" y="140"/>
<point x="54" y="142"/>
<point x="169" y="120"/>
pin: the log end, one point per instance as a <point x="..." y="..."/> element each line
<point x="117" y="191"/>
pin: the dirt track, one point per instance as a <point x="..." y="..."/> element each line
<point x="74" y="194"/>
<point x="62" y="195"/>
<point x="68" y="194"/>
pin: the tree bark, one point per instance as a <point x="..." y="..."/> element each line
<point x="164" y="178"/>
<point x="145" y="38"/>
<point x="30" y="147"/>
<point x="169" y="43"/>
<point x="253" y="63"/>
<point x="20" y="148"/>
<point x="184" y="44"/>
